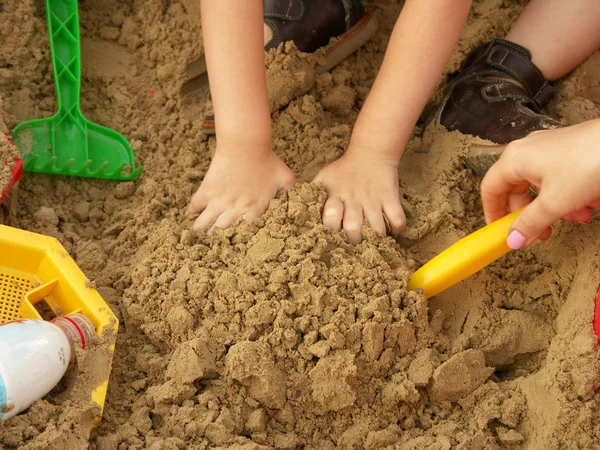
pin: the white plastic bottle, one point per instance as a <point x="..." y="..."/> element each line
<point x="34" y="356"/>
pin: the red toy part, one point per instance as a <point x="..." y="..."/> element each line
<point x="597" y="315"/>
<point x="7" y="134"/>
<point x="16" y="174"/>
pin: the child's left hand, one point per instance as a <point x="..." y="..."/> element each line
<point x="361" y="186"/>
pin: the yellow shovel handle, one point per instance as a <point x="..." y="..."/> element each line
<point x="463" y="259"/>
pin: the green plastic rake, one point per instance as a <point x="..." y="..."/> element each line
<point x="67" y="143"/>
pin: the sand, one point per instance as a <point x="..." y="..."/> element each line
<point x="8" y="154"/>
<point x="6" y="163"/>
<point x="277" y="334"/>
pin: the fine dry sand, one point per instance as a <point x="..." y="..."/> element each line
<point x="277" y="334"/>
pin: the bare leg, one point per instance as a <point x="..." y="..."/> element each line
<point x="560" y="34"/>
<point x="268" y="33"/>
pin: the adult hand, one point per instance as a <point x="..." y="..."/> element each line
<point x="564" y="166"/>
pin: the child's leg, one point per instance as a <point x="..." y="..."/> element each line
<point x="501" y="93"/>
<point x="560" y="34"/>
<point x="310" y="25"/>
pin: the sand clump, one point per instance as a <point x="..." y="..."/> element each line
<point x="306" y="327"/>
<point x="459" y="376"/>
<point x="251" y="364"/>
<point x="310" y="335"/>
<point x="8" y="154"/>
<point x="277" y="334"/>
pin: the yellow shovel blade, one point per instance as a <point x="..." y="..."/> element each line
<point x="463" y="259"/>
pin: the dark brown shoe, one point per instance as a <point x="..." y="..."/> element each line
<point x="311" y="24"/>
<point x="483" y="102"/>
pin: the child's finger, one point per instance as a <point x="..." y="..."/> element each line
<point x="375" y="219"/>
<point x="333" y="213"/>
<point x="226" y="219"/>
<point x="353" y="222"/>
<point x="288" y="181"/>
<point x="395" y="215"/>
<point x="208" y="216"/>
<point x="198" y="203"/>
<point x="249" y="216"/>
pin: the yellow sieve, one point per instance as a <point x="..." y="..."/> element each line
<point x="33" y="268"/>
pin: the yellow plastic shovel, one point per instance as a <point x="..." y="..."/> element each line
<point x="463" y="259"/>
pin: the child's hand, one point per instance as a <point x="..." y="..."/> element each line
<point x="564" y="166"/>
<point x="361" y="187"/>
<point x="363" y="184"/>
<point x="238" y="184"/>
<point x="245" y="174"/>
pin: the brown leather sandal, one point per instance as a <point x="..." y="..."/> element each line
<point x="311" y="24"/>
<point x="498" y="96"/>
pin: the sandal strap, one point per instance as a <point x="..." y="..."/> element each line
<point x="310" y="24"/>
<point x="515" y="61"/>
<point x="502" y="90"/>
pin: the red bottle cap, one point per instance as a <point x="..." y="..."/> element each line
<point x="79" y="330"/>
<point x="16" y="173"/>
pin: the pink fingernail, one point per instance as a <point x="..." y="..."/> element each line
<point x="516" y="240"/>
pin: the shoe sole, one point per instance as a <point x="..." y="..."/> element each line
<point x="349" y="42"/>
<point x="480" y="157"/>
<point x="337" y="52"/>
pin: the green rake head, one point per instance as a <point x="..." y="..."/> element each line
<point x="67" y="143"/>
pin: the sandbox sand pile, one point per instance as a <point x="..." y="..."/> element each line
<point x="8" y="153"/>
<point x="277" y="334"/>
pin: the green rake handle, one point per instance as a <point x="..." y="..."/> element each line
<point x="63" y="27"/>
<point x="67" y="143"/>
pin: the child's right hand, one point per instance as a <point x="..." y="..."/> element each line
<point x="563" y="164"/>
<point x="238" y="184"/>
